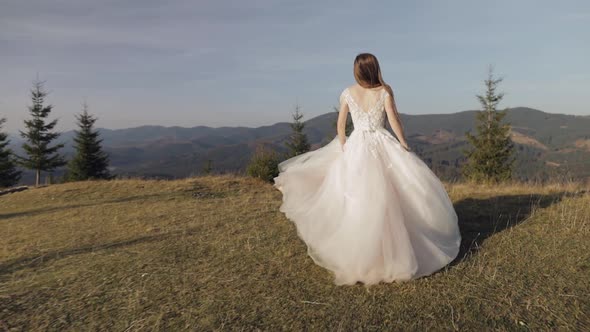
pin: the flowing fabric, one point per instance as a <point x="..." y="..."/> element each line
<point x="373" y="212"/>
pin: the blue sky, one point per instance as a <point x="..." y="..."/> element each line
<point x="230" y="63"/>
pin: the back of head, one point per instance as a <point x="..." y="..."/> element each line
<point x="367" y="72"/>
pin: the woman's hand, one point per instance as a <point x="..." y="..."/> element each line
<point x="405" y="146"/>
<point x="342" y="146"/>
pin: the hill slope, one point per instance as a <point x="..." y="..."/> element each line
<point x="215" y="253"/>
<point x="548" y="145"/>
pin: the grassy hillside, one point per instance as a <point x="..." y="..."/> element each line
<point x="215" y="253"/>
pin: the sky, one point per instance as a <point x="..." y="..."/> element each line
<point x="248" y="63"/>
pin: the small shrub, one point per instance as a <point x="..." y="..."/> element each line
<point x="264" y="164"/>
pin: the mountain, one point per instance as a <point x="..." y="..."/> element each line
<point x="548" y="145"/>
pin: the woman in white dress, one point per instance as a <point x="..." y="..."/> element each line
<point x="369" y="209"/>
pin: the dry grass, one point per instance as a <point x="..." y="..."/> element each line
<point x="215" y="253"/>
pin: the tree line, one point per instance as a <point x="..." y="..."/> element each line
<point x="42" y="154"/>
<point x="489" y="158"/>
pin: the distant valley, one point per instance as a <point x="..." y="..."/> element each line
<point x="548" y="145"/>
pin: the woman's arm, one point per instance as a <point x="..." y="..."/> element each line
<point x="341" y="124"/>
<point x="394" y="121"/>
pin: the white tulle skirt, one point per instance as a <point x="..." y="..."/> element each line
<point x="373" y="212"/>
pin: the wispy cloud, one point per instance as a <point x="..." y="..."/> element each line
<point x="250" y="59"/>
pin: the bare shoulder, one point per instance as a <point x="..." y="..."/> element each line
<point x="350" y="90"/>
<point x="354" y="88"/>
<point x="385" y="92"/>
<point x="356" y="91"/>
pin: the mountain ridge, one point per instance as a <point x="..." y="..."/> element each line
<point x="156" y="126"/>
<point x="543" y="141"/>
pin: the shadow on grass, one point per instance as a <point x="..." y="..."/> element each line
<point x="478" y="220"/>
<point x="47" y="257"/>
<point x="30" y="213"/>
<point x="481" y="218"/>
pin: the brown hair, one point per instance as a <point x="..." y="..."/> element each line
<point x="367" y="72"/>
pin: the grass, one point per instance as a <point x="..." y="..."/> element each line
<point x="214" y="253"/>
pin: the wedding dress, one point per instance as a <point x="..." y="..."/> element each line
<point x="373" y="212"/>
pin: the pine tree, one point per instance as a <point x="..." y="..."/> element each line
<point x="298" y="142"/>
<point x="89" y="161"/>
<point x="9" y="175"/>
<point x="490" y="159"/>
<point x="38" y="136"/>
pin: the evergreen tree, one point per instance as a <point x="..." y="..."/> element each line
<point x="264" y="164"/>
<point x="38" y="136"/>
<point x="9" y="175"/>
<point x="89" y="161"/>
<point x="298" y="142"/>
<point x="490" y="159"/>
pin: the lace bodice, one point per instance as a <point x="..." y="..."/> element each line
<point x="366" y="120"/>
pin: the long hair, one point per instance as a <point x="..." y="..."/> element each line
<point x="367" y="72"/>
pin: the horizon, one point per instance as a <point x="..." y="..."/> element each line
<point x="14" y="134"/>
<point x="228" y="64"/>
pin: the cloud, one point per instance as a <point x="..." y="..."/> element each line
<point x="132" y="57"/>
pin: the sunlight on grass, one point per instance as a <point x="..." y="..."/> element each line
<point x="214" y="253"/>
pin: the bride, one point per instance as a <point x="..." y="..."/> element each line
<point x="368" y="209"/>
